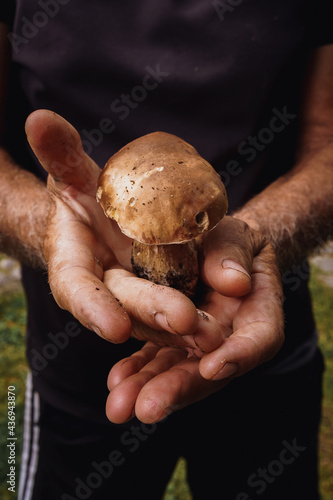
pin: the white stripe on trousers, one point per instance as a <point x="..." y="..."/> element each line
<point x="30" y="448"/>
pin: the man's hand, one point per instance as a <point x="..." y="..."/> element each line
<point x="156" y="381"/>
<point x="253" y="323"/>
<point x="89" y="258"/>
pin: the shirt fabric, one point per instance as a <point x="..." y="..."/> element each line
<point x="224" y="76"/>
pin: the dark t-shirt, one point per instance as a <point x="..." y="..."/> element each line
<point x="224" y="76"/>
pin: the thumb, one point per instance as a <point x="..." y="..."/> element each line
<point x="58" y="147"/>
<point x="228" y="252"/>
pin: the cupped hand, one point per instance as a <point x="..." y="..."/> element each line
<point x="89" y="258"/>
<point x="244" y="294"/>
<point x="89" y="273"/>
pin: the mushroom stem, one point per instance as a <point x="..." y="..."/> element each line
<point x="174" y="265"/>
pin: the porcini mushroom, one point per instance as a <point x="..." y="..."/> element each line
<point x="163" y="195"/>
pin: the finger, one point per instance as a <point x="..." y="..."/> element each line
<point x="246" y="349"/>
<point x="160" y="307"/>
<point x="228" y="255"/>
<point x="223" y="308"/>
<point x="120" y="405"/>
<point x="209" y="334"/>
<point x="131" y="365"/>
<point x="75" y="276"/>
<point x="91" y="303"/>
<point x="165" y="310"/>
<point x="58" y="147"/>
<point x="258" y="328"/>
<point x="172" y="390"/>
<point x="73" y="174"/>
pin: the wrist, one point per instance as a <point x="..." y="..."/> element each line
<point x="24" y="208"/>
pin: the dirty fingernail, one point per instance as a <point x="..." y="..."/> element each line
<point x="227" y="371"/>
<point x="163" y="322"/>
<point x="231" y="264"/>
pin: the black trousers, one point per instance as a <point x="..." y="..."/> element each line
<point x="255" y="439"/>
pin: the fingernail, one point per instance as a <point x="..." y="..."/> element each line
<point x="231" y="264"/>
<point x="227" y="371"/>
<point x="166" y="413"/>
<point x="189" y="341"/>
<point x="162" y="321"/>
<point x="169" y="410"/>
<point x="97" y="331"/>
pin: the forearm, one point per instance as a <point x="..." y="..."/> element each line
<point x="296" y="211"/>
<point x="24" y="208"/>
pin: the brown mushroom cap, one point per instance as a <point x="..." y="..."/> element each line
<point x="160" y="191"/>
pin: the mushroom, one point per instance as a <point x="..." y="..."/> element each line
<point x="163" y="195"/>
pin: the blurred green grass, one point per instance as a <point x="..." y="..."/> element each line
<point x="13" y="370"/>
<point x="323" y="309"/>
